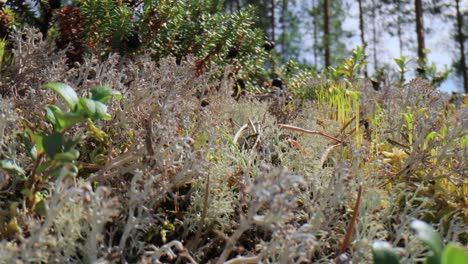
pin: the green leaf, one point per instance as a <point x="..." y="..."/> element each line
<point x="88" y="106"/>
<point x="344" y="71"/>
<point x="53" y="144"/>
<point x="349" y="63"/>
<point x="400" y="62"/>
<point x="454" y="254"/>
<point x="37" y="149"/>
<point x="430" y="136"/>
<point x="41" y="208"/>
<point x="103" y="93"/>
<point x="27" y="192"/>
<point x="430" y="237"/>
<point x="66" y="92"/>
<point x="60" y="120"/>
<point x="93" y="109"/>
<point x="12" y="168"/>
<point x="67" y="156"/>
<point x="383" y="253"/>
<point x="50" y="111"/>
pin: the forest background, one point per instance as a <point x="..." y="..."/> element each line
<point x="388" y="31"/>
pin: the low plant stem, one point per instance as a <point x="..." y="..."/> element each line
<point x="349" y="231"/>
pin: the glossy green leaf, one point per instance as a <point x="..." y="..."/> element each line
<point x="60" y="120"/>
<point x="101" y="112"/>
<point x="50" y="111"/>
<point x="66" y="92"/>
<point x="454" y="254"/>
<point x="383" y="253"/>
<point x="53" y="144"/>
<point x="88" y="106"/>
<point x="68" y="156"/>
<point x="400" y="62"/>
<point x="103" y="93"/>
<point x="94" y="109"/>
<point x="37" y="148"/>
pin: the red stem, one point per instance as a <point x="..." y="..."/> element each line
<point x="350" y="229"/>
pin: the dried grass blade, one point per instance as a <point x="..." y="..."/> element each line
<point x="239" y="133"/>
<point x="324" y="156"/>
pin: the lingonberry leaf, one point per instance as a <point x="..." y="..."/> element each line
<point x="66" y="92"/>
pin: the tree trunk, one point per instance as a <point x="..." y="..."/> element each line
<point x="273" y="39"/>
<point x="326" y="33"/>
<point x="461" y="39"/>
<point x="420" y="32"/>
<point x="374" y="36"/>
<point x="284" y="14"/>
<point x="361" y="27"/>
<point x="315" y="15"/>
<point x="273" y="7"/>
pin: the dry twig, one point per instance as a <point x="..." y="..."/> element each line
<point x="295" y="128"/>
<point x="349" y="231"/>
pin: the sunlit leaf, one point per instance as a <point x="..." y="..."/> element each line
<point x="400" y="62"/>
<point x="60" y="120"/>
<point x="67" y="156"/>
<point x="94" y="109"/>
<point x="349" y="62"/>
<point x="103" y="93"/>
<point x="66" y="92"/>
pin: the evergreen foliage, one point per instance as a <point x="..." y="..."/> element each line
<point x="177" y="28"/>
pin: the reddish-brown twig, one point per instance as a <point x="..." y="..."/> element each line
<point x="295" y="128"/>
<point x="351" y="225"/>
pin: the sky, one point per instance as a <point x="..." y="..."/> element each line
<point x="438" y="41"/>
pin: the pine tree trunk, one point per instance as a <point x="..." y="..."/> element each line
<point x="273" y="39"/>
<point x="461" y="39"/>
<point x="314" y="6"/>
<point x="326" y="33"/>
<point x="420" y="32"/>
<point x="284" y="14"/>
<point x="273" y="7"/>
<point x="374" y="36"/>
<point x="361" y="27"/>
